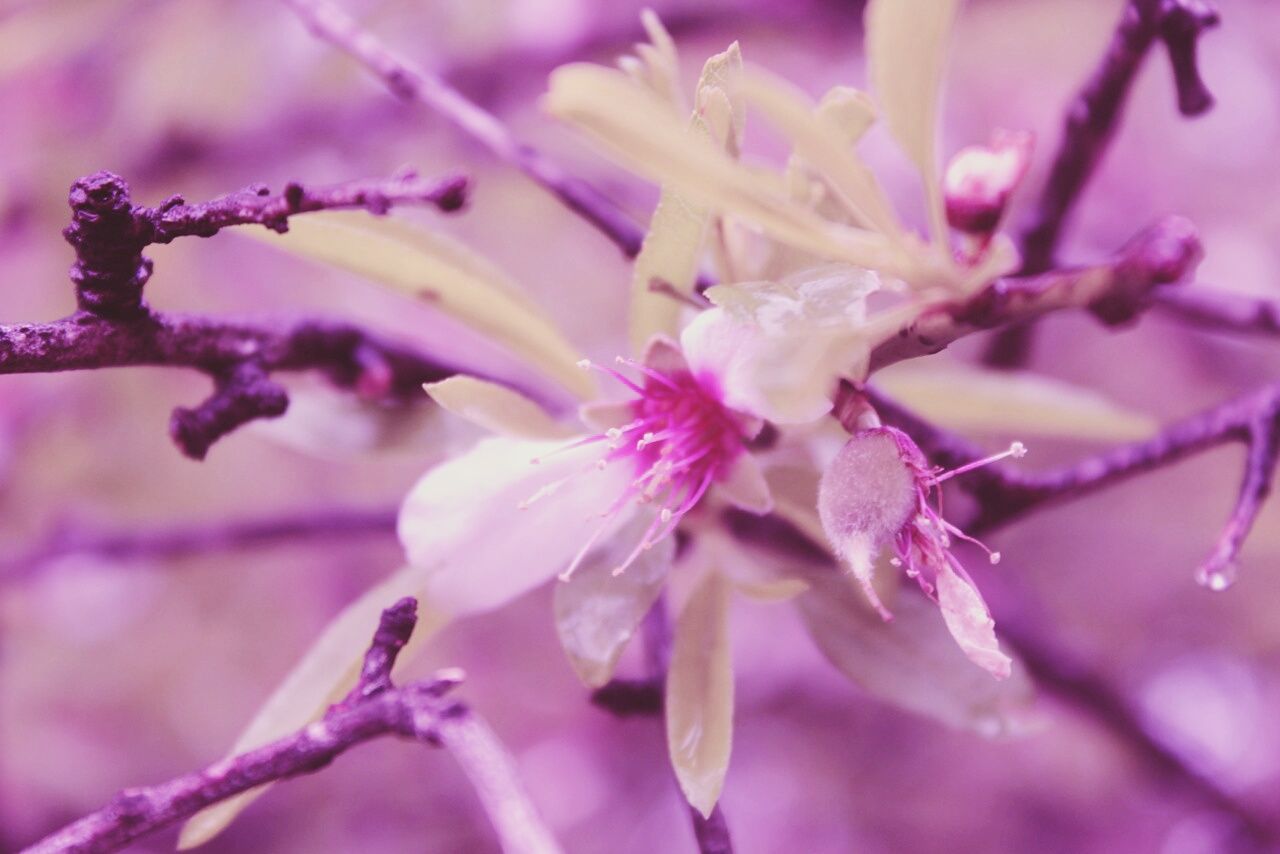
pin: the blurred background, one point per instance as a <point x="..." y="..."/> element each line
<point x="123" y="672"/>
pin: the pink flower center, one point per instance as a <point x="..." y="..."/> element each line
<point x="681" y="439"/>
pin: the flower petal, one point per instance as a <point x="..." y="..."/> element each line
<point x="327" y="671"/>
<point x="906" y="52"/>
<point x="699" y="704"/>
<point x="778" y="349"/>
<point x="492" y="524"/>
<point x="597" y="611"/>
<point x="495" y="408"/>
<point x="970" y="622"/>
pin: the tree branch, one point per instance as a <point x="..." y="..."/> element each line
<point x="1115" y="292"/>
<point x="201" y="538"/>
<point x="1090" y="124"/>
<point x="1219" y="310"/>
<point x="109" y="232"/>
<point x="372" y="709"/>
<point x="411" y="82"/>
<point x="114" y="327"/>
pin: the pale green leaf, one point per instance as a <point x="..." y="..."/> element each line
<point x="906" y="43"/>
<point x="597" y="611"/>
<point x="443" y="274"/>
<point x="911" y="661"/>
<point x="1006" y="403"/>
<point x="822" y="139"/>
<point x="636" y="125"/>
<point x="496" y="408"/>
<point x="699" y="704"/>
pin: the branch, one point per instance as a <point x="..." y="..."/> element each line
<point x="1090" y="124"/>
<point x="198" y="539"/>
<point x="239" y="356"/>
<point x="1115" y="292"/>
<point x="1005" y="494"/>
<point x="109" y="232"/>
<point x="373" y="708"/>
<point x="1215" y="309"/>
<point x="411" y="82"/>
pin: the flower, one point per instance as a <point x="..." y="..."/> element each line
<point x="875" y="494"/>
<point x="512" y="513"/>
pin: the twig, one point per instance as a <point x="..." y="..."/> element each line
<point x="109" y="232"/>
<point x="239" y="356"/>
<point x="201" y="538"/>
<point x="1115" y="292"/>
<point x="373" y="708"/>
<point x="411" y="82"/>
<point x="1090" y="124"/>
<point x="114" y="327"/>
<point x="1219" y="310"/>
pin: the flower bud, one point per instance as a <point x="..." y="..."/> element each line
<point x="980" y="178"/>
<point x="866" y="496"/>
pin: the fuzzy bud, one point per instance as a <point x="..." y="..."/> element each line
<point x="980" y="179"/>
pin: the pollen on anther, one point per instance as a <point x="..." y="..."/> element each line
<point x="995" y="558"/>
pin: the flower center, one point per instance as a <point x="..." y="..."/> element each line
<point x="680" y="440"/>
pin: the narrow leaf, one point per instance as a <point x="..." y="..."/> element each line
<point x="1012" y="404"/>
<point x="912" y="661"/>
<point x="906" y="51"/>
<point x="700" y="695"/>
<point x="496" y="408"/>
<point x="442" y="273"/>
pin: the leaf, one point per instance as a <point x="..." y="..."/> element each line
<point x="912" y="662"/>
<point x="444" y="274"/>
<point x="637" y="126"/>
<point x="327" y="671"/>
<point x="699" y="705"/>
<point x="821" y="136"/>
<point x="672" y="248"/>
<point x="597" y="612"/>
<point x="1005" y="403"/>
<point x="496" y="408"/>
<point x="906" y="45"/>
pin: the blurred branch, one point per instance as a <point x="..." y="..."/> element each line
<point x="411" y="82"/>
<point x="374" y="708"/>
<point x="1090" y="123"/>
<point x="1215" y="309"/>
<point x="114" y="327"/>
<point x="1115" y="292"/>
<point x="200" y="539"/>
<point x="625" y="698"/>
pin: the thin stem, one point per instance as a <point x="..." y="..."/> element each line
<point x="412" y="82"/>
<point x="1090" y="123"/>
<point x="200" y="538"/>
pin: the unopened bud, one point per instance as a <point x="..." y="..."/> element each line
<point x="980" y="179"/>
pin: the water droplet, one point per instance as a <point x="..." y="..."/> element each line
<point x="1218" y="575"/>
